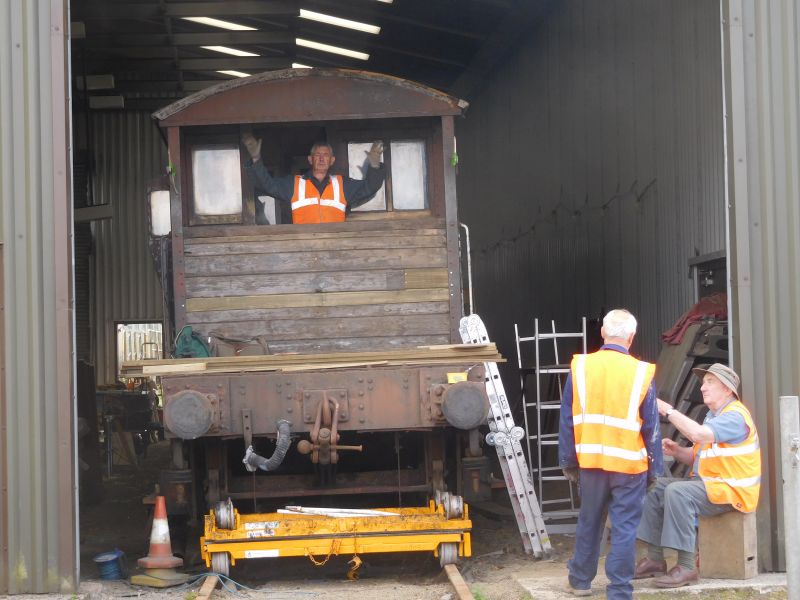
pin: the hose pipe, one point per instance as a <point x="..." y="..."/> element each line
<point x="253" y="461"/>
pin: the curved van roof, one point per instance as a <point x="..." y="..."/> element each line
<point x="297" y="95"/>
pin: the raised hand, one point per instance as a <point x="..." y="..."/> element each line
<point x="374" y="154"/>
<point x="252" y="144"/>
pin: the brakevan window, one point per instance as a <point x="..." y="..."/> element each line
<point x="219" y="191"/>
<point x="217" y="181"/>
<point x="406" y="175"/>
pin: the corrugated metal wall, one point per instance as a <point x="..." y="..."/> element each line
<point x="762" y="75"/>
<point x="38" y="522"/>
<point x="127" y="152"/>
<point x="591" y="167"/>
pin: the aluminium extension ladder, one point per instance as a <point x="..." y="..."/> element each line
<point x="505" y="436"/>
<point x="542" y="418"/>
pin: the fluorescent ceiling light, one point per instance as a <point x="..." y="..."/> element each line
<point x="386" y="1"/>
<point x="323" y="18"/>
<point x="219" y="23"/>
<point x="331" y="49"/>
<point x="226" y="50"/>
<point x="301" y="66"/>
<point x="234" y="73"/>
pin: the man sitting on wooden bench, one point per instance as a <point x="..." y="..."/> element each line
<point x="726" y="476"/>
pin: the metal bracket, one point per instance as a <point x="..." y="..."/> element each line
<point x="247" y="430"/>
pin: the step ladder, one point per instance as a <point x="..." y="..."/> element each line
<point x="506" y="438"/>
<point x="542" y="414"/>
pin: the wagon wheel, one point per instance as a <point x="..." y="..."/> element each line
<point x="223" y="515"/>
<point x="448" y="553"/>
<point x="221" y="563"/>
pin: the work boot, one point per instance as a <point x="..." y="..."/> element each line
<point x="577" y="591"/>
<point x="676" y="577"/>
<point x="648" y="567"/>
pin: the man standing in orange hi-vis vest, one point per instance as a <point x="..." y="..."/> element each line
<point x="610" y="445"/>
<point x="317" y="196"/>
<point x="726" y="476"/>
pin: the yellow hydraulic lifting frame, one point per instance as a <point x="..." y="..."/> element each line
<point x="443" y="527"/>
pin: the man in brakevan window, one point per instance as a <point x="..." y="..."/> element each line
<point x="316" y="196"/>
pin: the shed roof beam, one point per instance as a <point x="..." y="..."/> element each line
<point x="104" y="10"/>
<point x="191" y="39"/>
<point x="376" y="13"/>
<point x="368" y="45"/>
<point x="252" y="63"/>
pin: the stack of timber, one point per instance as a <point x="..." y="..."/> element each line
<point x="448" y="354"/>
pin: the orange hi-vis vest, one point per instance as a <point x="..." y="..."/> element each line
<point x="732" y="472"/>
<point x="608" y="388"/>
<point x="309" y="207"/>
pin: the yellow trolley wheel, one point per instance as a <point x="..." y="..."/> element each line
<point x="221" y="563"/>
<point x="448" y="553"/>
<point x="224" y="517"/>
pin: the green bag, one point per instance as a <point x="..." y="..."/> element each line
<point x="190" y="344"/>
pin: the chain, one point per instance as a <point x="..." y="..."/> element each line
<point x="335" y="544"/>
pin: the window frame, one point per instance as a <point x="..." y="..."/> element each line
<point x="211" y="139"/>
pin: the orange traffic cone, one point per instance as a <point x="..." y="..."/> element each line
<point x="159" y="564"/>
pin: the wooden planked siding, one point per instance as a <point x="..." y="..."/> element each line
<point x="359" y="289"/>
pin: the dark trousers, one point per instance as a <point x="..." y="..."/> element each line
<point x="623" y="496"/>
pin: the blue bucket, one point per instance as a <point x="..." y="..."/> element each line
<point x="110" y="564"/>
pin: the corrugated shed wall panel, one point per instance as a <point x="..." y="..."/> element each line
<point x="128" y="152"/>
<point x="762" y="68"/>
<point x="39" y="502"/>
<point x="596" y="148"/>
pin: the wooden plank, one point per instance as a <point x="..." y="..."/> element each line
<point x="420" y="351"/>
<point x="413" y="223"/>
<point x="207" y="588"/>
<point x="294" y="283"/>
<point x="319" y="367"/>
<point x="426" y="278"/>
<point x="266" y="236"/>
<point x="467" y="352"/>
<point x="357" y="242"/>
<point x="323" y="299"/>
<point x="451" y="212"/>
<point x="458" y="583"/>
<point x="176" y="203"/>
<point x="209" y="317"/>
<point x="168" y="370"/>
<point x="186" y="368"/>
<point x="234" y="369"/>
<point x="353" y="327"/>
<point x="299" y="283"/>
<point x="303" y="262"/>
<point x="465" y="347"/>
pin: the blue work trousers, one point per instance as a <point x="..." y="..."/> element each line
<point x="623" y="496"/>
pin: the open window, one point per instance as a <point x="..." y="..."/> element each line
<point x="219" y="192"/>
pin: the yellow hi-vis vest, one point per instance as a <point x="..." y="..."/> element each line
<point x="608" y="388"/>
<point x="309" y="206"/>
<point x="732" y="472"/>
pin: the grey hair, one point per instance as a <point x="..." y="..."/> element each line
<point x="619" y="323"/>
<point x="320" y="145"/>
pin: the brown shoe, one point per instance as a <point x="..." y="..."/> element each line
<point x="577" y="591"/>
<point x="677" y="577"/>
<point x="649" y="568"/>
